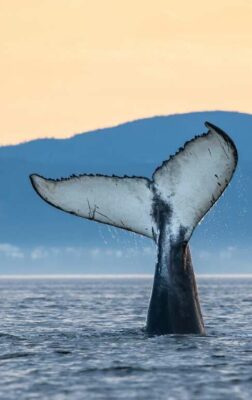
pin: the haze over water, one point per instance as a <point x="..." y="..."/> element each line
<point x="83" y="338"/>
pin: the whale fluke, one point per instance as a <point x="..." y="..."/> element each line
<point x="189" y="183"/>
<point x="166" y="208"/>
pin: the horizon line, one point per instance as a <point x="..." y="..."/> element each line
<point x="115" y="276"/>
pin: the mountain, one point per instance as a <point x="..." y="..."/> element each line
<point x="36" y="238"/>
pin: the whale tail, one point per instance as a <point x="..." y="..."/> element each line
<point x="186" y="186"/>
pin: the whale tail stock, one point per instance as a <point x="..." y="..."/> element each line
<point x="184" y="187"/>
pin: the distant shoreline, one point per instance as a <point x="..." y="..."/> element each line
<point x="116" y="276"/>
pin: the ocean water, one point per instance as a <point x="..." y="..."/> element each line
<point x="83" y="339"/>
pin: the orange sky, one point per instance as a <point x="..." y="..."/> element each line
<point x="71" y="66"/>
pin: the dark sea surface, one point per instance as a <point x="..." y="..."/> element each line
<point x="83" y="339"/>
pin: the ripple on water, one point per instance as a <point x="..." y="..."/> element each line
<point x="85" y="339"/>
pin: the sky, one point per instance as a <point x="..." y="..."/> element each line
<point x="74" y="66"/>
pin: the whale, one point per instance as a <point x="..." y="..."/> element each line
<point x="165" y="208"/>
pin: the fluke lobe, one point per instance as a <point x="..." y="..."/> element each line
<point x="166" y="208"/>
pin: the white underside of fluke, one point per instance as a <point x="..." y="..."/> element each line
<point x="194" y="179"/>
<point x="122" y="202"/>
<point x="189" y="183"/>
